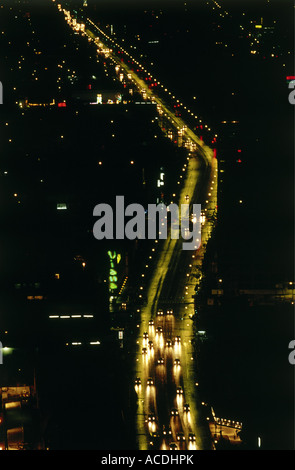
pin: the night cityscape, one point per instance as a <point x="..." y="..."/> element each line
<point x="136" y="343"/>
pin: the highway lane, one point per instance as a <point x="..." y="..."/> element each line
<point x="178" y="288"/>
<point x="158" y="396"/>
<point x="162" y="396"/>
<point x="193" y="142"/>
<point x="173" y="288"/>
<point x="166" y="377"/>
<point x="157" y="367"/>
<point x="187" y="311"/>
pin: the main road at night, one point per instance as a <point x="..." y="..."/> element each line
<point x="165" y="349"/>
<point x="106" y="43"/>
<point x="169" y="413"/>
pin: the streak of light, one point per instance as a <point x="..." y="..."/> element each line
<point x="138" y="389"/>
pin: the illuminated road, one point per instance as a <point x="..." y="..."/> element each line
<point x="168" y="414"/>
<point x="161" y="398"/>
<point x="147" y="363"/>
<point x="193" y="142"/>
